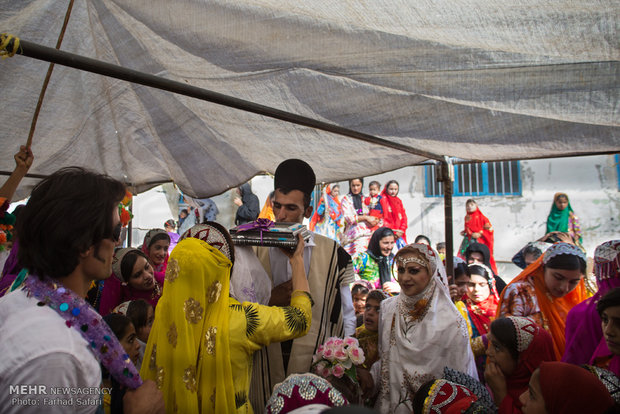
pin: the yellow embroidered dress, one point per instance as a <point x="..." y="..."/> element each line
<point x="200" y="347"/>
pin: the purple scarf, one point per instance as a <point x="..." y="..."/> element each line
<point x="79" y="315"/>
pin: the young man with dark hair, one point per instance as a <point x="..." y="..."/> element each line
<point x="53" y="341"/>
<point x="329" y="270"/>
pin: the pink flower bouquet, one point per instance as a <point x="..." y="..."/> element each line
<point x="338" y="357"/>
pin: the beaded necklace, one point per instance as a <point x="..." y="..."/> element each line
<point x="79" y="315"/>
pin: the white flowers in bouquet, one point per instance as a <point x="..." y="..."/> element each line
<point x="337" y="357"/>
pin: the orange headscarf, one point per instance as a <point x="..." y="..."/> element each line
<point x="554" y="310"/>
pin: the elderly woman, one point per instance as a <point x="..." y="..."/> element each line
<point x="201" y="345"/>
<point x="420" y="333"/>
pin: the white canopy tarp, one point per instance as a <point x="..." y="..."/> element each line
<point x="474" y="79"/>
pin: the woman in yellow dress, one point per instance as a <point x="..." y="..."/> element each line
<point x="201" y="345"/>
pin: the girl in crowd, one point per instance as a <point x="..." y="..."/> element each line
<point x="562" y="218"/>
<point x="132" y="278"/>
<point x="394" y="215"/>
<point x="248" y="205"/>
<point x="125" y="332"/>
<point x="560" y="388"/>
<point x="358" y="222"/>
<point x="421" y="332"/>
<point x="607" y="354"/>
<point x="517" y="346"/>
<point x="375" y="265"/>
<point x="328" y="218"/>
<point x="479" y="253"/>
<point x="141" y="315"/>
<point x="478" y="228"/>
<point x="478" y="307"/>
<point x="547" y="290"/>
<point x="368" y="333"/>
<point x="155" y="247"/>
<point x="458" y="288"/>
<point x="359" y="292"/>
<point x="202" y="342"/>
<point x="583" y="323"/>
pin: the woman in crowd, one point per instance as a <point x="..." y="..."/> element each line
<point x="375" y="265"/>
<point x="517" y="346"/>
<point x="394" y="214"/>
<point x="479" y="253"/>
<point x="421" y="333"/>
<point x="132" y="278"/>
<point x="560" y="388"/>
<point x="358" y="222"/>
<point x="583" y="323"/>
<point x="478" y="307"/>
<point x="155" y="247"/>
<point x="562" y="218"/>
<point x="201" y="345"/>
<point x="248" y="205"/>
<point x="328" y="218"/>
<point x="478" y="228"/>
<point x="547" y="290"/>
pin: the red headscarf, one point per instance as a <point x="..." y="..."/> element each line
<point x="394" y="215"/>
<point x="535" y="346"/>
<point x="569" y="389"/>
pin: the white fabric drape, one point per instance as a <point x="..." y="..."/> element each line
<point x="475" y="79"/>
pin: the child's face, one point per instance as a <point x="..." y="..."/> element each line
<point x="393" y="189"/>
<point x="371" y="315"/>
<point x="359" y="301"/>
<point x="373" y="190"/>
<point x="143" y="332"/>
<point x="561" y="203"/>
<point x="130" y="344"/>
<point x="471" y="207"/>
<point x="461" y="283"/>
<point x="335" y="191"/>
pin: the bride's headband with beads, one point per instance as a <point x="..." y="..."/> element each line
<point x="411" y="259"/>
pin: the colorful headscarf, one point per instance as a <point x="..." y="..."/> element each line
<point x="569" y="389"/>
<point x="299" y="390"/>
<point x="558" y="219"/>
<point x="554" y="310"/>
<point x="608" y="379"/>
<point x="188" y="352"/>
<point x="481" y="314"/>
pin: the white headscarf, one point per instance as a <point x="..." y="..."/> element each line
<point x="419" y="336"/>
